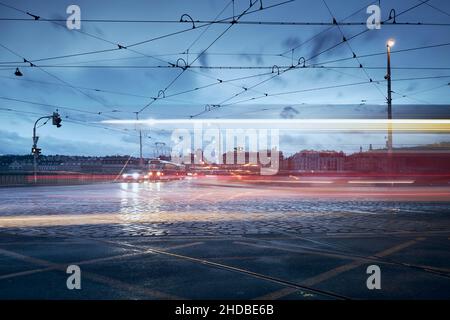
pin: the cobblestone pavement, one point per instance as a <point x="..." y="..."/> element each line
<point x="190" y="208"/>
<point x="210" y="239"/>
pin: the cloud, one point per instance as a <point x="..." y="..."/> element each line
<point x="289" y="113"/>
<point x="291" y="42"/>
<point x="13" y="143"/>
<point x="203" y="59"/>
<point x="258" y="59"/>
<point x="412" y="86"/>
<point x="324" y="41"/>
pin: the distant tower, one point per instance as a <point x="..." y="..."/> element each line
<point x="360" y="149"/>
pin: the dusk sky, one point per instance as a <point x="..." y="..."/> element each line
<point x="117" y="83"/>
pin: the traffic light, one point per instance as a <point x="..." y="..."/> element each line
<point x="56" y="119"/>
<point x="36" y="151"/>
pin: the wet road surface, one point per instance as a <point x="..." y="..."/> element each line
<point x="209" y="239"/>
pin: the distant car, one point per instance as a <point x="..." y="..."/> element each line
<point x="134" y="176"/>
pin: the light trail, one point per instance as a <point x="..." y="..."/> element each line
<point x="421" y="125"/>
<point x="381" y="182"/>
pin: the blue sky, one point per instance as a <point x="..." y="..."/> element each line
<point x="127" y="89"/>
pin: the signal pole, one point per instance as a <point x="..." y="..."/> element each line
<point x="56" y="120"/>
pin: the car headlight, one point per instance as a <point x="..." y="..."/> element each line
<point x="135" y="175"/>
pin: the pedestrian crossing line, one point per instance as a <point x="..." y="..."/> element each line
<point x="337" y="271"/>
<point x="93" y="276"/>
<point x="304" y="251"/>
<point x="84" y="262"/>
<point x="136" y="289"/>
<point x="230" y="268"/>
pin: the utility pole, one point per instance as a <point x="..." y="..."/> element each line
<point x="141" y="159"/>
<point x="389" y="45"/>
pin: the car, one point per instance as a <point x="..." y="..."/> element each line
<point x="134" y="176"/>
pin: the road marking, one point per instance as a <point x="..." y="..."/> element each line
<point x="307" y="251"/>
<point x="338" y="235"/>
<point x="84" y="262"/>
<point x="222" y="266"/>
<point x="95" y="277"/>
<point x="399" y="247"/>
<point x="336" y="271"/>
<point x="92" y="276"/>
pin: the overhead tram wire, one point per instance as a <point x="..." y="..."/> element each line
<point x="411" y="96"/>
<point x="447" y="84"/>
<point x="215" y="40"/>
<point x="211" y="44"/>
<point x="205" y="23"/>
<point x="70" y="120"/>
<point x="197" y="27"/>
<point x="256" y="10"/>
<point x="117" y="46"/>
<point x="127" y="46"/>
<point x="292" y="67"/>
<point x="52" y="75"/>
<point x="322" y="52"/>
<point x="104" y="40"/>
<point x="337" y="86"/>
<point x="187" y="60"/>
<point x="383" y="53"/>
<point x="438" y="9"/>
<point x="328" y="29"/>
<point x="365" y="30"/>
<point x="62" y="107"/>
<point x="198" y="56"/>
<point x="208" y="23"/>
<point x="219" y="81"/>
<point x="260" y="23"/>
<point x="353" y="51"/>
<point x="151" y="56"/>
<point x="317" y="65"/>
<point x="277" y="94"/>
<point x="323" y="65"/>
<point x="49" y="105"/>
<point x="206" y="29"/>
<point x="177" y="54"/>
<point x="186" y="52"/>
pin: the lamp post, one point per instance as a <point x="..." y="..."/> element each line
<point x="390" y="43"/>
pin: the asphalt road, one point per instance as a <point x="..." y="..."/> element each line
<point x="212" y="239"/>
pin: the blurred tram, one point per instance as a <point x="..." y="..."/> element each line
<point x="165" y="170"/>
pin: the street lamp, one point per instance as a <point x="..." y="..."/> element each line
<point x="390" y="43"/>
<point x="18" y="73"/>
